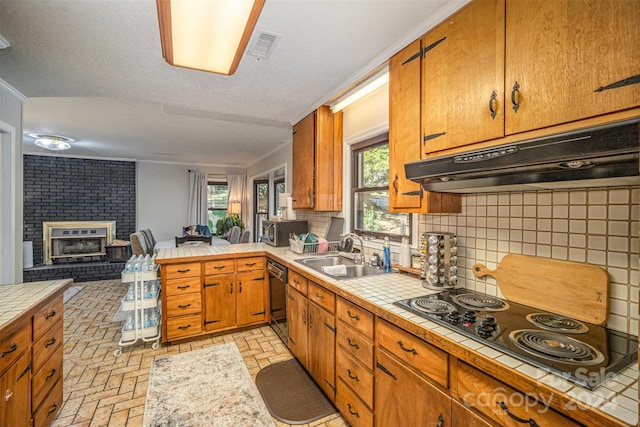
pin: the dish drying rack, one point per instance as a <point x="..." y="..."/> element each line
<point x="314" y="248"/>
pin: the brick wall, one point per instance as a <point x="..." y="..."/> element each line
<point x="68" y="189"/>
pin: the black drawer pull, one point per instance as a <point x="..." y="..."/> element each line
<point x="353" y="344"/>
<point x="353" y="377"/>
<point x="249" y="264"/>
<point x="54" y="408"/>
<point x="351" y="412"/>
<point x="14" y="347"/>
<point x="182" y="288"/>
<point x="51" y="342"/>
<point x="492" y="102"/>
<point x="514" y="101"/>
<point x="50" y="315"/>
<point x="182" y="307"/>
<point x="48" y="377"/>
<point x="184" y="327"/>
<point x="352" y="316"/>
<point x="530" y="421"/>
<point x="319" y="296"/>
<point x="408" y="350"/>
<point x="219" y="267"/>
<point x="184" y="271"/>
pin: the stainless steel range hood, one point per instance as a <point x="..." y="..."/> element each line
<point x="603" y="156"/>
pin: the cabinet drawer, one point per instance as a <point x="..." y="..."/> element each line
<point x="184" y="304"/>
<point x="175" y="271"/>
<point x="52" y="403"/>
<point x="182" y="286"/>
<point x="322" y="297"/>
<point x="45" y="378"/>
<point x="421" y="355"/>
<point x="14" y="345"/>
<point x="48" y="344"/>
<point x="46" y="317"/>
<point x="298" y="282"/>
<point x="356" y="344"/>
<point x="356" y="317"/>
<point x="355" y="375"/>
<point x="250" y="264"/>
<point x="219" y="266"/>
<point x="183" y="326"/>
<point x="352" y="408"/>
<point x="483" y="392"/>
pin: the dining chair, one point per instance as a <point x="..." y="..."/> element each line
<point x="234" y="234"/>
<point x="246" y="234"/>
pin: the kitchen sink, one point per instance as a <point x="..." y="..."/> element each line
<point x="354" y="271"/>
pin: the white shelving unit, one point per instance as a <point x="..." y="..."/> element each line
<point x="143" y="329"/>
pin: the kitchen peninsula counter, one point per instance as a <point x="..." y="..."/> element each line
<point x="612" y="403"/>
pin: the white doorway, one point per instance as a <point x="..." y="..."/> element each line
<point x="10" y="245"/>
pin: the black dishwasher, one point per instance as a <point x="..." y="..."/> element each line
<point x="278" y="298"/>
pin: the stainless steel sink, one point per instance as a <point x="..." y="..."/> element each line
<point x="354" y="271"/>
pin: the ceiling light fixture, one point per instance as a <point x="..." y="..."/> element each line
<point x="206" y="35"/>
<point x="52" y="142"/>
<point x="359" y="93"/>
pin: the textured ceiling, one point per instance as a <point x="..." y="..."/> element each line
<point x="93" y="70"/>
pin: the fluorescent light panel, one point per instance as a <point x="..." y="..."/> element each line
<point x="208" y="35"/>
<point x="360" y="93"/>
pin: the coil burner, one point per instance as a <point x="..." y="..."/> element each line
<point x="555" y="346"/>
<point x="480" y="302"/>
<point x="557" y="323"/>
<point x="431" y="305"/>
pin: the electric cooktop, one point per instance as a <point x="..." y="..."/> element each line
<point x="583" y="353"/>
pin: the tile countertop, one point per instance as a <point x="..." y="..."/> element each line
<point x="617" y="397"/>
<point x="21" y="298"/>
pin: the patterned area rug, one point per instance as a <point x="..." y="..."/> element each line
<point x="207" y="387"/>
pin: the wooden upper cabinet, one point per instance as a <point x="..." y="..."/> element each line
<point x="563" y="53"/>
<point x="405" y="137"/>
<point x="317" y="161"/>
<point x="462" y="78"/>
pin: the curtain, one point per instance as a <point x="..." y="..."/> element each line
<point x="237" y="191"/>
<point x="197" y="214"/>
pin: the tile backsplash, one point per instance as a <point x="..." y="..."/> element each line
<point x="596" y="226"/>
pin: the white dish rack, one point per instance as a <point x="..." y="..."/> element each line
<point x="319" y="248"/>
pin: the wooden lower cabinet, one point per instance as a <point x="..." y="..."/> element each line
<point x="251" y="297"/>
<point x="352" y="407"/>
<point x="322" y="349"/>
<point x="403" y="398"/>
<point x="297" y="324"/>
<point x="219" y="302"/>
<point x="15" y="383"/>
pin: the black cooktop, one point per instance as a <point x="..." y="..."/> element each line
<point x="581" y="352"/>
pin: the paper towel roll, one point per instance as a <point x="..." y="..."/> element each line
<point x="291" y="214"/>
<point x="27" y="254"/>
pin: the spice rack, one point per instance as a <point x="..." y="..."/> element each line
<point x="140" y="303"/>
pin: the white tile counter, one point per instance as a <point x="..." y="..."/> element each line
<point x="617" y="397"/>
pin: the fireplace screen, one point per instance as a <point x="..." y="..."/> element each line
<point x="76" y="241"/>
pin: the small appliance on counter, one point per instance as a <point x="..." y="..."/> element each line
<point x="439" y="257"/>
<point x="276" y="233"/>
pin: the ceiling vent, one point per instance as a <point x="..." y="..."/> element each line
<point x="263" y="44"/>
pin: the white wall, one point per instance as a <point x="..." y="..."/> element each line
<point x="11" y="184"/>
<point x="162" y="195"/>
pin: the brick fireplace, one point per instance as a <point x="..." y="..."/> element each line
<point x="76" y="241"/>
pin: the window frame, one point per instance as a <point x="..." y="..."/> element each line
<point x="356" y="149"/>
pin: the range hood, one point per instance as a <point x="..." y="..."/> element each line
<point x="597" y="157"/>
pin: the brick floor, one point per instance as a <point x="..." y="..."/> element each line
<point x="103" y="390"/>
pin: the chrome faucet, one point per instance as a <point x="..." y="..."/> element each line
<point x="357" y="258"/>
<point x="375" y="260"/>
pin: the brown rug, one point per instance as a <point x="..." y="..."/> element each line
<point x="291" y="395"/>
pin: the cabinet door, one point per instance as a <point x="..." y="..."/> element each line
<point x="561" y="53"/>
<point x="402" y="398"/>
<point x="251" y="297"/>
<point x="405" y="132"/>
<point x="303" y="162"/>
<point x="463" y="78"/>
<point x="297" y="323"/>
<point x="322" y="349"/>
<point x="15" y="405"/>
<point x="328" y="158"/>
<point x="219" y="302"/>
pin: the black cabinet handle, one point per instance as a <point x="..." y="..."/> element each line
<point x="184" y="271"/>
<point x="353" y="377"/>
<point x="23" y="373"/>
<point x="182" y="288"/>
<point x="351" y="411"/>
<point x="50" y="315"/>
<point x="184" y="327"/>
<point x="385" y="370"/>
<point x="48" y="377"/>
<point x="408" y="350"/>
<point x="54" y="408"/>
<point x="395" y="184"/>
<point x="440" y="421"/>
<point x="515" y="102"/>
<point x="492" y="102"/>
<point x="51" y="342"/>
<point x="219" y="267"/>
<point x="14" y="347"/>
<point x="352" y="316"/>
<point x="184" y="306"/>
<point x="353" y="344"/>
<point x="505" y="408"/>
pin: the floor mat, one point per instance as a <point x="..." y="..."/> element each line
<point x="70" y="293"/>
<point x="208" y="387"/>
<point x="291" y="395"/>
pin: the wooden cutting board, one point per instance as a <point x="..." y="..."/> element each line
<point x="576" y="290"/>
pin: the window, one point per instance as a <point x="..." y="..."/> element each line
<point x="370" y="188"/>
<point x="280" y="187"/>
<point x="261" y="207"/>
<point x="217" y="202"/>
